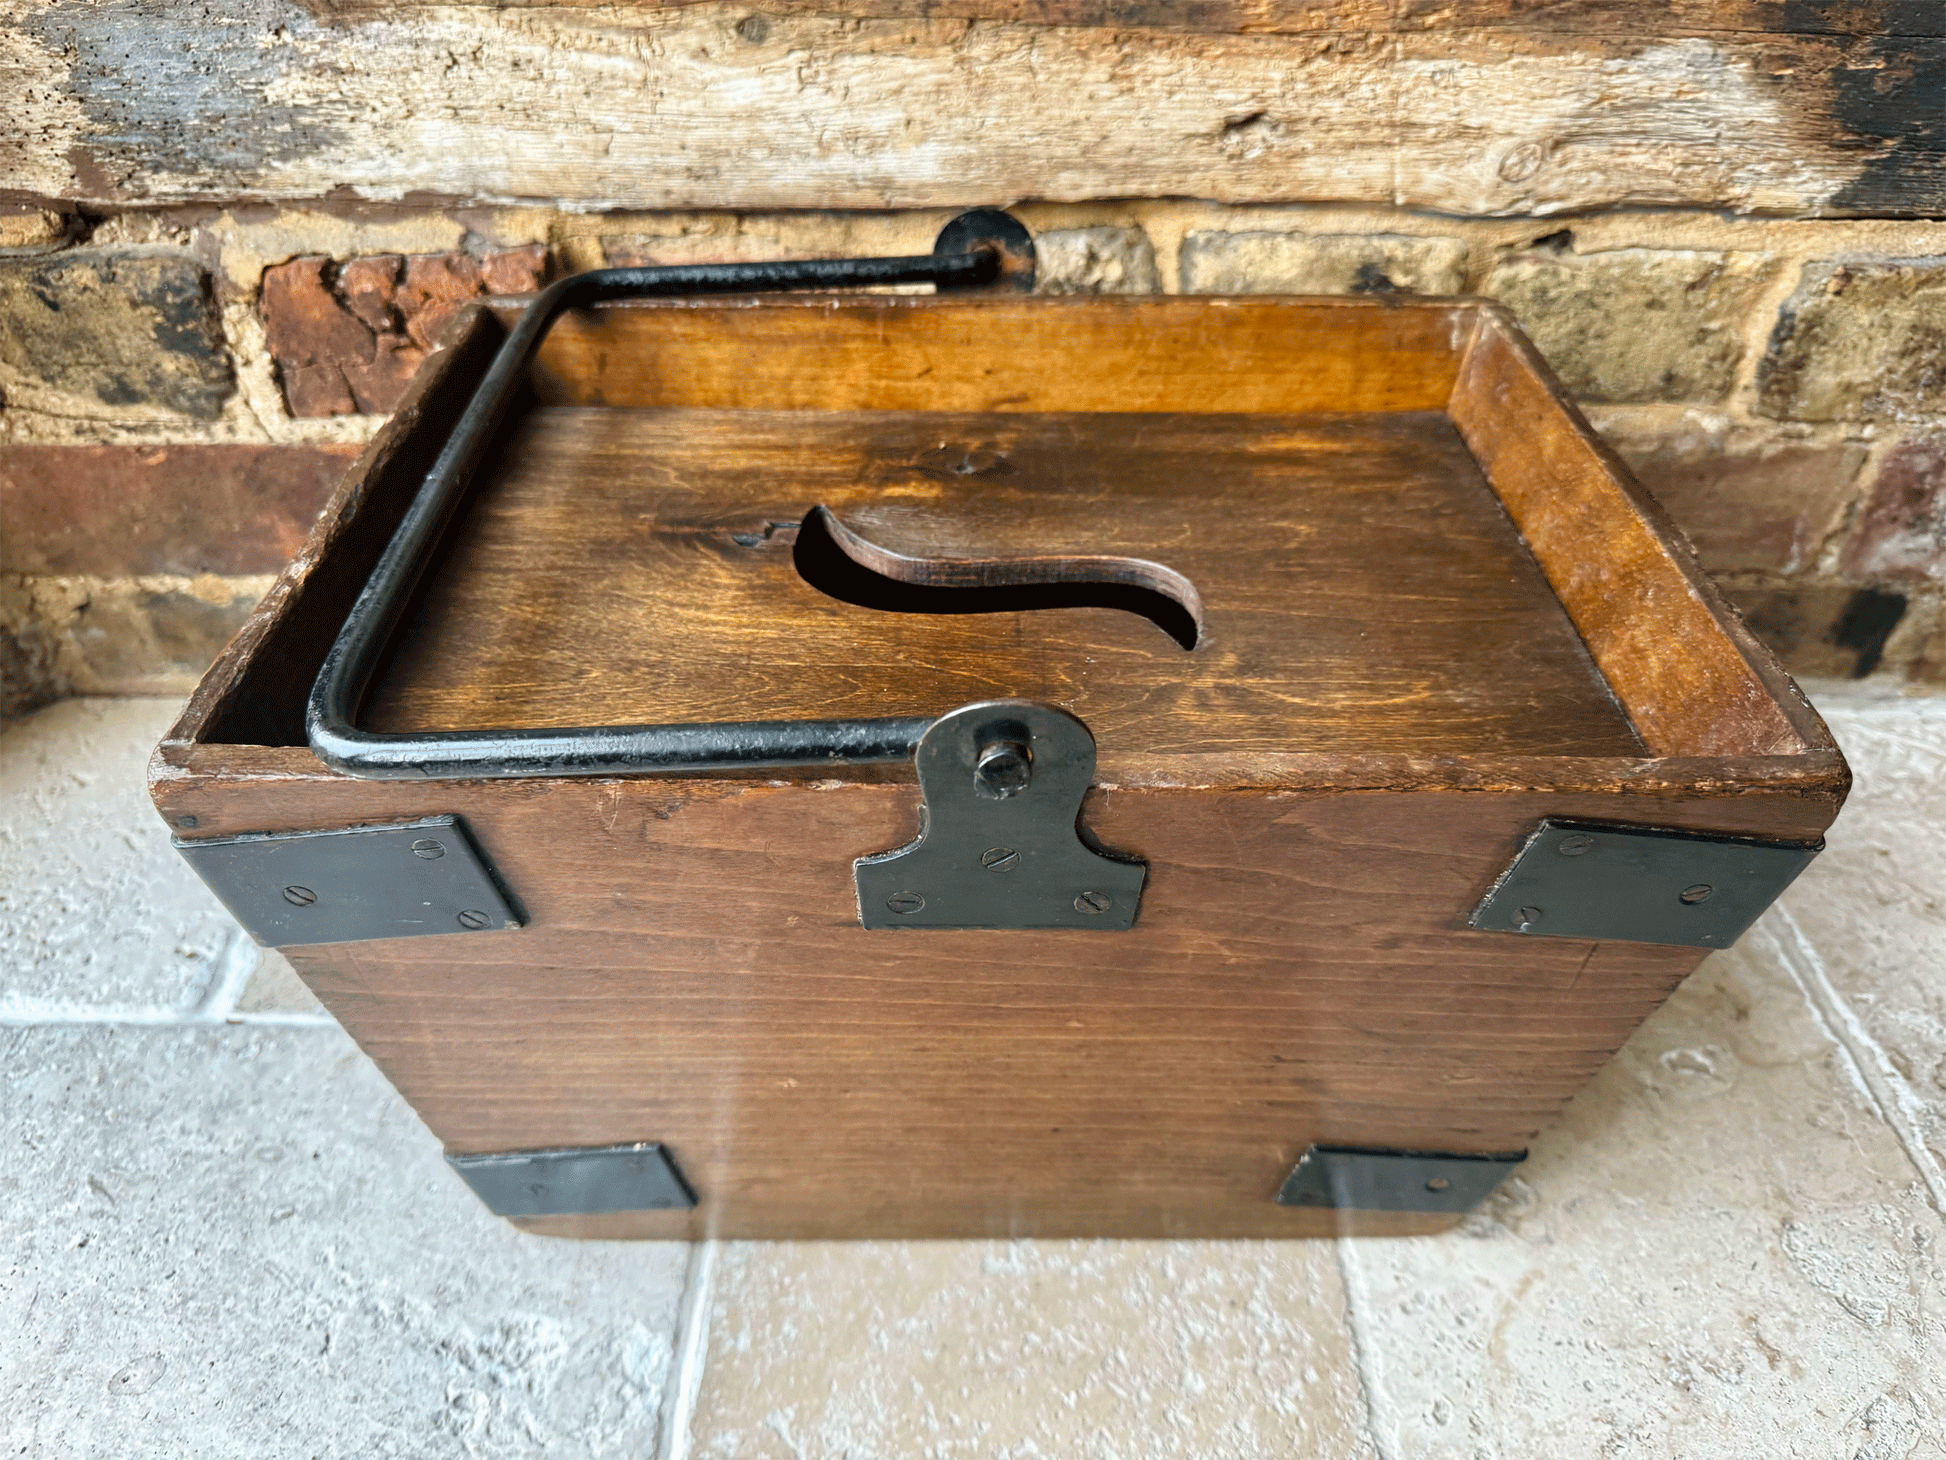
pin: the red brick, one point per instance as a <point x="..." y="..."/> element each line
<point x="110" y="511"/>
<point x="369" y="286"/>
<point x="1901" y="534"/>
<point x="514" y="270"/>
<point x="348" y="337"/>
<point x="435" y="286"/>
<point x="312" y="337"/>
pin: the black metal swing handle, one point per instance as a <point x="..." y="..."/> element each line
<point x="981" y="249"/>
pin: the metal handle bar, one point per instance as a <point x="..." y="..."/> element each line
<point x="978" y="249"/>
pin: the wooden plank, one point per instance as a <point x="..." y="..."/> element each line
<point x="1692" y="679"/>
<point x="691" y="108"/>
<point x="923" y="353"/>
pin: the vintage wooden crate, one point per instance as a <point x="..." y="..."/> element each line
<point x="1436" y="628"/>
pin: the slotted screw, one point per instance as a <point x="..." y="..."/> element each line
<point x="473" y="918"/>
<point x="1437" y="1183"/>
<point x="299" y="896"/>
<point x="1576" y="846"/>
<point x="1698" y="893"/>
<point x="1528" y="917"/>
<point x="1093" y="902"/>
<point x="427" y="848"/>
<point x="1000" y="859"/>
<point x="906" y="903"/>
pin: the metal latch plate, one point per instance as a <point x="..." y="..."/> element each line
<point x="1357" y="1178"/>
<point x="1577" y="879"/>
<point x="1000" y="843"/>
<point x="576" y="1180"/>
<point x="403" y="881"/>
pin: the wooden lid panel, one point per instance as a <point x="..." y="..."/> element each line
<point x="1361" y="589"/>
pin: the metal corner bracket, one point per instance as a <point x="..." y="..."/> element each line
<point x="576" y="1180"/>
<point x="1637" y="884"/>
<point x="1363" y="1178"/>
<point x="407" y="880"/>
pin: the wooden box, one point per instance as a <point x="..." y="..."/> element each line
<point x="1432" y="617"/>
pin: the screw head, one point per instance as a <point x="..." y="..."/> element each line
<point x="299" y="896"/>
<point x="1093" y="902"/>
<point x="1002" y="768"/>
<point x="473" y="918"/>
<point x="906" y="903"/>
<point x="1698" y="893"/>
<point x="1437" y="1183"/>
<point x="1575" y="846"/>
<point x="1000" y="859"/>
<point x="1526" y="919"/>
<point x="428" y="848"/>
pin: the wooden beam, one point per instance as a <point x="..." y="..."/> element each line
<point x="1546" y="109"/>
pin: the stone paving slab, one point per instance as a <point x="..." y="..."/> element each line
<point x="231" y="1243"/>
<point x="1721" y="1251"/>
<point x="985" y="1350"/>
<point x="95" y="908"/>
<point x="1867" y="926"/>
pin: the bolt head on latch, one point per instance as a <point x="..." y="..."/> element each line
<point x="1003" y="768"/>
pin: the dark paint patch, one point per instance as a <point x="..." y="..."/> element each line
<point x="182" y="88"/>
<point x="1888" y="102"/>
<point x="1867" y="622"/>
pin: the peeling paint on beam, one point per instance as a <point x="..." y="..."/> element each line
<point x="150" y="102"/>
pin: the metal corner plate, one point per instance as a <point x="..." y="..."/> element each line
<point x="408" y="880"/>
<point x="1359" y="1178"/>
<point x="1581" y="879"/>
<point x="576" y="1180"/>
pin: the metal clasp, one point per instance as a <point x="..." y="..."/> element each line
<point x="1000" y="840"/>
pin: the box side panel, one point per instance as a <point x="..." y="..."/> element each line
<point x="254" y="693"/>
<point x="1692" y="679"/>
<point x="878" y="353"/>
<point x="694" y="973"/>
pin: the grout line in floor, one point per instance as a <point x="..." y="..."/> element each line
<point x="1364" y="1356"/>
<point x="691" y="1353"/>
<point x="241" y="958"/>
<point x="1871" y="1067"/>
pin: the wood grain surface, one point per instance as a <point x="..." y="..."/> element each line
<point x="1361" y="588"/>
<point x="1694" y="682"/>
<point x="1504" y="108"/>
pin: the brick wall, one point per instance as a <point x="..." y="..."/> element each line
<point x="188" y="358"/>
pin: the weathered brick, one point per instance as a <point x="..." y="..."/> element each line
<point x="1759" y="506"/>
<point x="30" y="227"/>
<point x="28" y="679"/>
<point x="1634" y="324"/>
<point x="1825" y="630"/>
<point x="348" y="337"/>
<point x="1304" y="263"/>
<point x="1857" y="341"/>
<point x="128" y="635"/>
<point x="115" y="511"/>
<point x="1095" y="261"/>
<point x="126" y="334"/>
<point x="1901" y="534"/>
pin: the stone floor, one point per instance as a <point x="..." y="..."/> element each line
<point x="223" y="1236"/>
